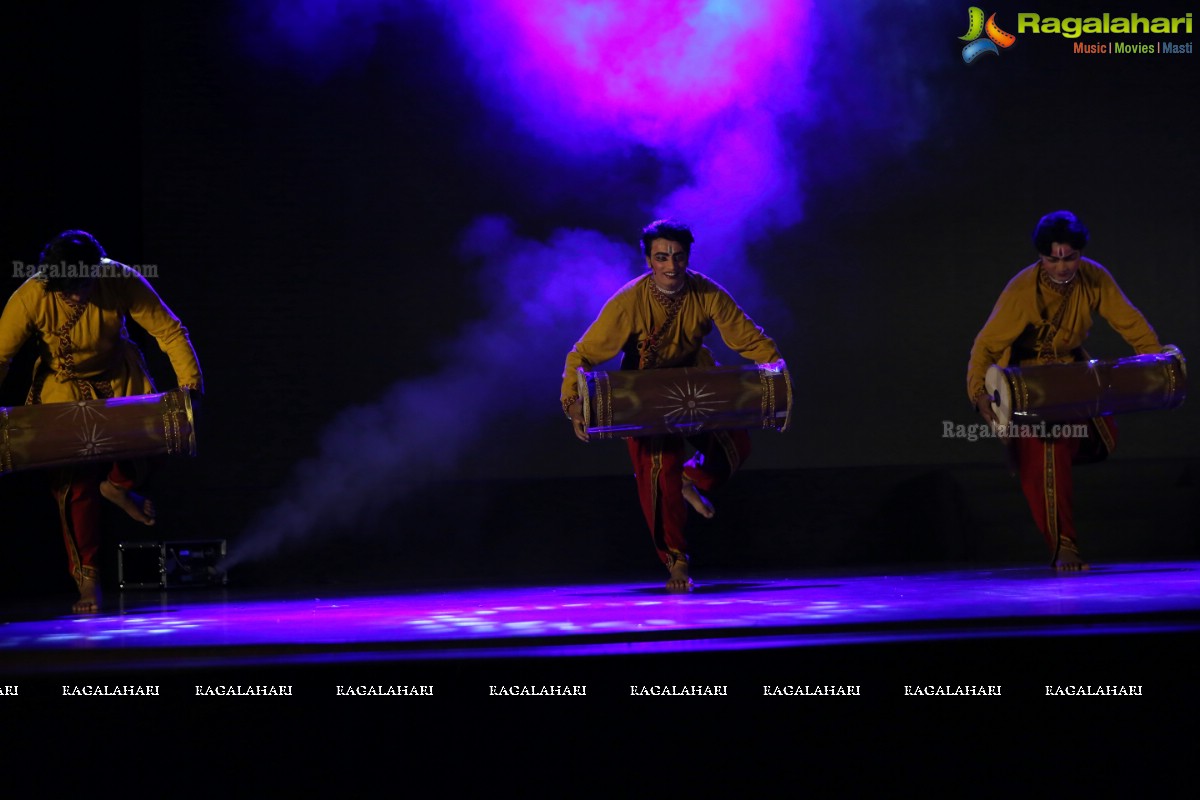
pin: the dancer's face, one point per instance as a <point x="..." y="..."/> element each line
<point x="1061" y="263"/>
<point x="668" y="262"/>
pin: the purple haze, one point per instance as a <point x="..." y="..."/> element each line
<point x="719" y="88"/>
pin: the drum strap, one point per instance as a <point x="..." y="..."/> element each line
<point x="648" y="349"/>
<point x="1106" y="433"/>
<point x="1045" y="346"/>
<point x="89" y="390"/>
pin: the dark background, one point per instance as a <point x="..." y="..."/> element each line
<point x="306" y="231"/>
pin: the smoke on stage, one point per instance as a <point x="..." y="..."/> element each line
<point x="721" y="95"/>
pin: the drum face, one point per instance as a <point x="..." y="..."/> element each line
<point x="1063" y="392"/>
<point x="59" y="434"/>
<point x="686" y="401"/>
<point x="1000" y="390"/>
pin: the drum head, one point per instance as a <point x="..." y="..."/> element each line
<point x="996" y="383"/>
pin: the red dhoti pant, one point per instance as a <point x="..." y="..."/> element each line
<point x="1044" y="466"/>
<point x="659" y="468"/>
<point x="77" y="493"/>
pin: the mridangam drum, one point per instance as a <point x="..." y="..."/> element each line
<point x="1061" y="392"/>
<point x="686" y="400"/>
<point x="57" y="434"/>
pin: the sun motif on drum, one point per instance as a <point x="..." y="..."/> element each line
<point x="94" y="442"/>
<point x="82" y="411"/>
<point x="691" y="404"/>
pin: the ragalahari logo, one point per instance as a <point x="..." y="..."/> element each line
<point x="976" y="27"/>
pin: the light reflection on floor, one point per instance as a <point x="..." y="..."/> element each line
<point x="735" y="613"/>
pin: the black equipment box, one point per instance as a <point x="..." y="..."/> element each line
<point x="170" y="565"/>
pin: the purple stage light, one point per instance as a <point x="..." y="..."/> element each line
<point x="717" y="94"/>
<point x="613" y="619"/>
<point x="659" y="73"/>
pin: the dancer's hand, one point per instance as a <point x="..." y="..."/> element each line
<point x="577" y="422"/>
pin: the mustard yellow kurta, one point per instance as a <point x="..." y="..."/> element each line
<point x="1028" y="306"/>
<point x="631" y="314"/>
<point x="626" y="321"/>
<point x="1037" y="322"/>
<point x="96" y="350"/>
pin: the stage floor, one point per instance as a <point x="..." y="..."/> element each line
<point x="761" y="617"/>
<point x="898" y="663"/>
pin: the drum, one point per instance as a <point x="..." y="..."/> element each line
<point x="685" y="401"/>
<point x="1061" y="392"/>
<point x="123" y="428"/>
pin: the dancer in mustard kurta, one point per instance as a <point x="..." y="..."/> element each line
<point x="1043" y="316"/>
<point x="76" y="308"/>
<point x="659" y="321"/>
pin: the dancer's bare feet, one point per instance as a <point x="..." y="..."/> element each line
<point x="702" y="504"/>
<point x="1068" y="559"/>
<point x="136" y="506"/>
<point x="89" y="595"/>
<point x="679" y="580"/>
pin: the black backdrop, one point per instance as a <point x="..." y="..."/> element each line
<point x="305" y="232"/>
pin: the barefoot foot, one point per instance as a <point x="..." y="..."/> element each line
<point x="679" y="580"/>
<point x="702" y="504"/>
<point x="89" y="596"/>
<point x="136" y="506"/>
<point x="1068" y="559"/>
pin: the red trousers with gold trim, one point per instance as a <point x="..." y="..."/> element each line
<point x="1044" y="466"/>
<point x="77" y="492"/>
<point x="659" y="467"/>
